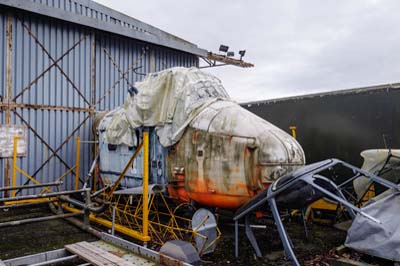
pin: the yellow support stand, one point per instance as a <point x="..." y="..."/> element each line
<point x="145" y="183"/>
<point x="16" y="169"/>
<point x="293" y="129"/>
<point x="78" y="158"/>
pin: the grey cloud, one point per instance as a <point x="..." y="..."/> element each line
<point x="298" y="47"/>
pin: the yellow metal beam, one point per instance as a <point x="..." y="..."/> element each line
<point x="146" y="183"/>
<point x="78" y="158"/>
<point x="294" y="133"/>
<point x="127" y="166"/>
<point x="120" y="228"/>
<point x="27" y="201"/>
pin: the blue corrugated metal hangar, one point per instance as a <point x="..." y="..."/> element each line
<point x="64" y="60"/>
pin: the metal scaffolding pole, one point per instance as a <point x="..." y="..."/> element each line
<point x="39" y="219"/>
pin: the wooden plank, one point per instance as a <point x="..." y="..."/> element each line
<point x="107" y="255"/>
<point x="96" y="255"/>
<point x="85" y="255"/>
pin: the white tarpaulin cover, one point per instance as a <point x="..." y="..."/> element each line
<point x="378" y="239"/>
<point x="169" y="100"/>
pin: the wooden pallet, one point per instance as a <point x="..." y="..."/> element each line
<point x="96" y="256"/>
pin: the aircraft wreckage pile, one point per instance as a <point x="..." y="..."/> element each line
<point x="179" y="150"/>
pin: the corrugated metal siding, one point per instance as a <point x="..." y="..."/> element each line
<point x="116" y="56"/>
<point x="29" y="61"/>
<point x="92" y="10"/>
<point x="96" y="16"/>
<point x="172" y="58"/>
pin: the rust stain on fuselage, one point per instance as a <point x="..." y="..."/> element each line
<point x="221" y="171"/>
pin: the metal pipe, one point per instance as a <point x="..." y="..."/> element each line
<point x="39" y="219"/>
<point x="256" y="226"/>
<point x="89" y="142"/>
<point x="236" y="239"/>
<point x="82" y="205"/>
<point x="77" y="223"/>
<point x="84" y="227"/>
<point x="32" y="186"/>
<point x="26" y="204"/>
<point x="55" y="260"/>
<point x="113" y="221"/>
<point x="44" y="195"/>
<point x="281" y="230"/>
<point x="99" y="191"/>
<point x="91" y="170"/>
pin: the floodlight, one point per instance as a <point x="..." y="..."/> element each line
<point x="230" y="54"/>
<point x="223" y="48"/>
<point x="242" y="53"/>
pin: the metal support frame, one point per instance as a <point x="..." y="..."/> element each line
<point x="287" y="244"/>
<point x="250" y="237"/>
<point x="224" y="60"/>
<point x="133" y="67"/>
<point x="143" y="234"/>
<point x="15" y="169"/>
<point x="339" y="197"/>
<point x="77" y="161"/>
<point x="41" y="196"/>
<point x="38" y="258"/>
<point x="52" y="184"/>
<point x="237" y="238"/>
<point x="9" y="104"/>
<point x="28" y="204"/>
<point x="310" y="178"/>
<point x="39" y="219"/>
<point x="146" y="167"/>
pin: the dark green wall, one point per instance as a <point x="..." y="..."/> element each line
<point x="338" y="124"/>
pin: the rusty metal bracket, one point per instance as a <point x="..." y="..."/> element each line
<point x="41" y="139"/>
<point x="117" y="66"/>
<point x="224" y="60"/>
<point x="13" y="105"/>
<point x="54" y="62"/>
<point x="132" y="67"/>
<point x="57" y="150"/>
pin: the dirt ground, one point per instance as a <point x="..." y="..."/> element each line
<point x="320" y="240"/>
<point x="38" y="237"/>
<point x="32" y="238"/>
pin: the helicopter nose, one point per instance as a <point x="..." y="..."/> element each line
<point x="278" y="151"/>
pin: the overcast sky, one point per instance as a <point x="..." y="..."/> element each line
<point x="298" y="47"/>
